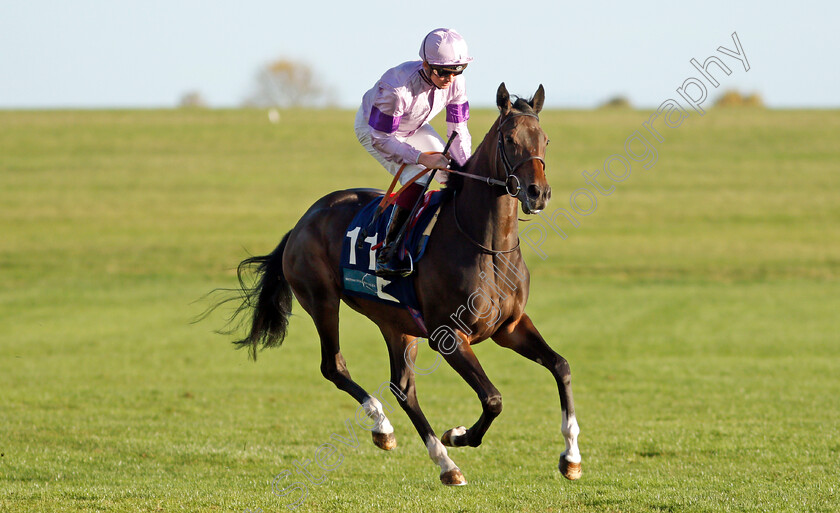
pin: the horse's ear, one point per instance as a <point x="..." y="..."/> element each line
<point x="503" y="99"/>
<point x="538" y="100"/>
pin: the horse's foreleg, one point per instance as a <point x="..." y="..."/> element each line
<point x="524" y="338"/>
<point x="465" y="363"/>
<point x="403" y="352"/>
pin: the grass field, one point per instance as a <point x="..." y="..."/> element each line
<point x="698" y="307"/>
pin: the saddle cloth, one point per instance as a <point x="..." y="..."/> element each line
<point x="363" y="241"/>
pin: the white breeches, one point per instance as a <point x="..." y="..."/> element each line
<point x="424" y="139"/>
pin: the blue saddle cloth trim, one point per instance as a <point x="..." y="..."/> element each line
<point x="358" y="260"/>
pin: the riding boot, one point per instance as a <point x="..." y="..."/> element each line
<point x="388" y="262"/>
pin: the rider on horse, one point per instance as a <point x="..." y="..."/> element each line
<point x="393" y="125"/>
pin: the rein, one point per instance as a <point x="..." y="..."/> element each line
<point x="510" y="169"/>
<point x="475" y="242"/>
<point x="511" y="182"/>
<point x="485" y="179"/>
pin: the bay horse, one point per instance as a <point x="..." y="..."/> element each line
<point x="474" y="247"/>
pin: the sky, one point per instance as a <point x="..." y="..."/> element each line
<point x="104" y="54"/>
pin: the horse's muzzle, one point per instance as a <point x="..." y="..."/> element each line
<point x="534" y="198"/>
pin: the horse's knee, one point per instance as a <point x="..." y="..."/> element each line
<point x="493" y="405"/>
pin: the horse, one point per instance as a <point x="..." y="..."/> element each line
<point x="474" y="247"/>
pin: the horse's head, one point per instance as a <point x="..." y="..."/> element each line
<point x="521" y="149"/>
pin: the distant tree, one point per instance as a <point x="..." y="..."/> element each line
<point x="616" y="102"/>
<point x="192" y="100"/>
<point x="734" y="98"/>
<point x="285" y="83"/>
<point x="754" y="100"/>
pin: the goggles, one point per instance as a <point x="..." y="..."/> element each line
<point x="446" y="71"/>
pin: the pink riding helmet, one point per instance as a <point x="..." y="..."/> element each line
<point x="445" y="47"/>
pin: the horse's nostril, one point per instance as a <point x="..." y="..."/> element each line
<point x="533" y="191"/>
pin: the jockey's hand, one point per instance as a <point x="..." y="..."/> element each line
<point x="433" y="161"/>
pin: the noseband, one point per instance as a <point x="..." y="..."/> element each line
<point x="510" y="169"/>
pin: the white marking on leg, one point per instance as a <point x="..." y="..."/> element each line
<point x="373" y="409"/>
<point x="570" y="431"/>
<point x="439" y="455"/>
<point x="459" y="431"/>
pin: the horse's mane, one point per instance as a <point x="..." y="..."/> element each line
<point x="455" y="182"/>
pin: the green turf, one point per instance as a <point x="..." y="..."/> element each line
<point x="698" y="306"/>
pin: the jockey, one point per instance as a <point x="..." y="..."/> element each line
<point x="393" y="125"/>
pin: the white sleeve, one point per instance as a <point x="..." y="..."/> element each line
<point x="385" y="114"/>
<point x="457" y="114"/>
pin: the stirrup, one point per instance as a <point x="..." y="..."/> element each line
<point x="394" y="266"/>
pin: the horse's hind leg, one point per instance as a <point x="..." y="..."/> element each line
<point x="527" y="341"/>
<point x="402" y="350"/>
<point x="322" y="304"/>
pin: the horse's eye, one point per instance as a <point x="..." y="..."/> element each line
<point x="509" y="139"/>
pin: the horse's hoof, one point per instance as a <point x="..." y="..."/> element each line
<point x="570" y="471"/>
<point x="447" y="440"/>
<point x="385" y="441"/>
<point x="453" y="477"/>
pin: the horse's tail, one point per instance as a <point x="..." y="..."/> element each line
<point x="270" y="298"/>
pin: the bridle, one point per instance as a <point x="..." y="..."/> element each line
<point x="510" y="178"/>
<point x="511" y="182"/>
<point x="510" y="169"/>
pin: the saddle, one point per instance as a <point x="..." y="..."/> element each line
<point x="363" y="239"/>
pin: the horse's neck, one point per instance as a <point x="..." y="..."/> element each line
<point x="486" y="213"/>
